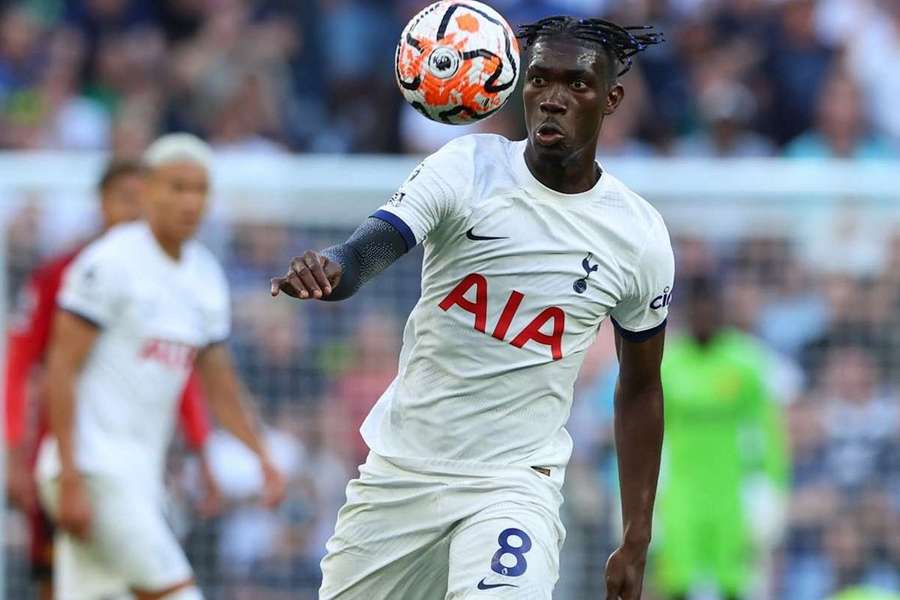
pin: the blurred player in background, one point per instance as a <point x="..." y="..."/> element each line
<point x="724" y="455"/>
<point x="529" y="246"/>
<point x="121" y="186"/>
<point x="138" y="309"/>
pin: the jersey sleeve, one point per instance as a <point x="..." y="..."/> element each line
<point x="433" y="192"/>
<point x="94" y="286"/>
<point x="643" y="312"/>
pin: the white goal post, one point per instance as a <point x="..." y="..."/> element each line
<point x="339" y="190"/>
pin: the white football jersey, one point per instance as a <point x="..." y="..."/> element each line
<point x="516" y="280"/>
<point x="154" y="315"/>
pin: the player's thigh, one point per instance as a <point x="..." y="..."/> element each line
<point x="507" y="551"/>
<point x="731" y="552"/>
<point x="389" y="540"/>
<point x="376" y="553"/>
<point x="680" y="545"/>
<point x="132" y="537"/>
<point x="80" y="571"/>
<point x="416" y="569"/>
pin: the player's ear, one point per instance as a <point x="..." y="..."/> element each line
<point x="613" y="98"/>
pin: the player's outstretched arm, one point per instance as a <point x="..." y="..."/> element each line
<point x="223" y="393"/>
<point x="73" y="339"/>
<point x="639" y="436"/>
<point x="338" y="272"/>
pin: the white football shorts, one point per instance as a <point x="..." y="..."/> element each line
<point x="131" y="546"/>
<point x="416" y="530"/>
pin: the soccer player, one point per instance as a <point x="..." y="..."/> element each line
<point x="725" y="452"/>
<point x="529" y="246"/>
<point x="120" y="187"/>
<point x="139" y="309"/>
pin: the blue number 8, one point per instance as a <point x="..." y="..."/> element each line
<point x="518" y="552"/>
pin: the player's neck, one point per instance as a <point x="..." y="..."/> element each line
<point x="572" y="174"/>
<point x="170" y="246"/>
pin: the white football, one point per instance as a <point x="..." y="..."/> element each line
<point x="457" y="61"/>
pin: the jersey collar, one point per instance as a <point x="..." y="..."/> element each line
<point x="528" y="180"/>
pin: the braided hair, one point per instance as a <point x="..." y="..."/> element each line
<point x="620" y="43"/>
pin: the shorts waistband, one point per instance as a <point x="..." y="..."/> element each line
<point x="460" y="468"/>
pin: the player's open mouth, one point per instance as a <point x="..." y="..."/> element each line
<point x="548" y="134"/>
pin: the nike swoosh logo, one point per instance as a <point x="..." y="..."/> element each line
<point x="481" y="238"/>
<point x="489" y="586"/>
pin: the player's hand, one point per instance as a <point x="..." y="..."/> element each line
<point x="309" y="276"/>
<point x="625" y="573"/>
<point x="19" y="481"/>
<point x="74" y="506"/>
<point x="274" y="485"/>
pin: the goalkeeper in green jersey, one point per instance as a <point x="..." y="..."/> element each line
<point x="723" y="436"/>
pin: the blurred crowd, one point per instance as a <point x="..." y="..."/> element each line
<point x="737" y="78"/>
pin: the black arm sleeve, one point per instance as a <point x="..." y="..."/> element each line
<point x="372" y="248"/>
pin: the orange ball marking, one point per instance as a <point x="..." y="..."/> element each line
<point x="467" y="22"/>
<point x="457" y="89"/>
